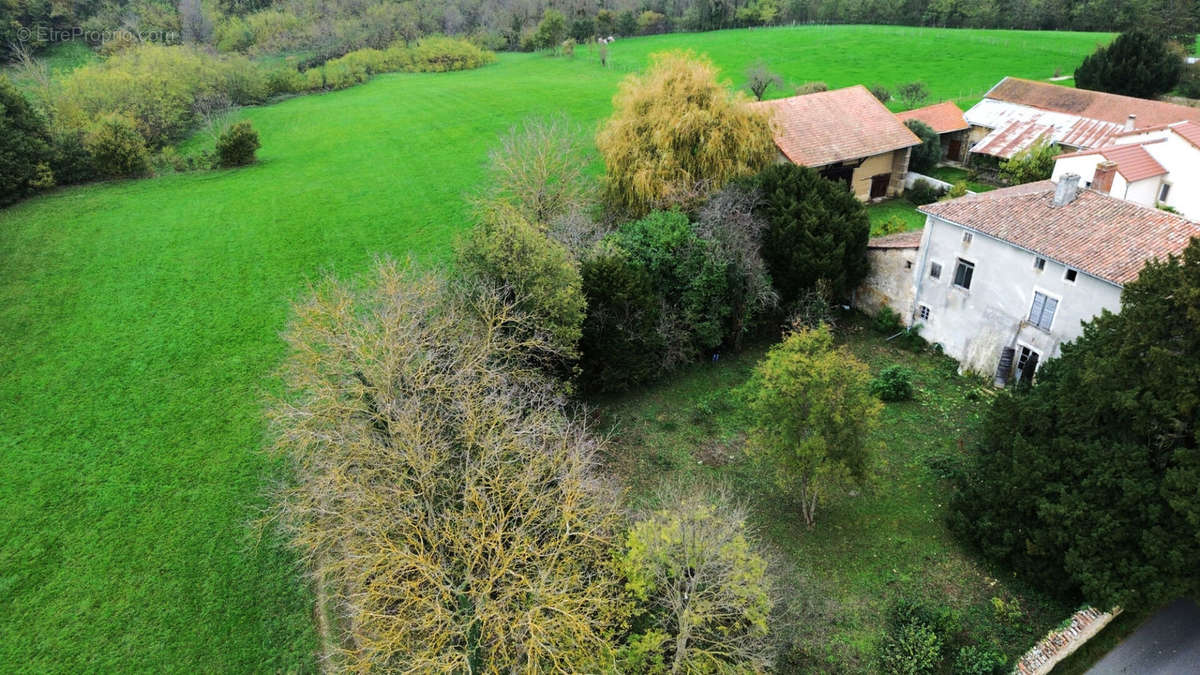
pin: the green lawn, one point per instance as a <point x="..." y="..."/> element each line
<point x="956" y="64"/>
<point x="882" y="212"/>
<point x="865" y="551"/>
<point x="139" y="325"/>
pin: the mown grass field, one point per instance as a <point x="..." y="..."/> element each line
<point x="866" y="550"/>
<point x="139" y="325"/>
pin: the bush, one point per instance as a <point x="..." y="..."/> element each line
<point x="976" y="660"/>
<point x="158" y="88"/>
<point x="959" y="189"/>
<point x="811" y="88"/>
<point x="443" y="54"/>
<point x="912" y="94"/>
<point x="911" y="649"/>
<point x="237" y="144"/>
<point x="923" y="192"/>
<point x="1031" y="164"/>
<point x="881" y="92"/>
<point x="1189" y="82"/>
<point x="25" y="147"/>
<point x="894" y="383"/>
<point x="116" y="147"/>
<point x="69" y="159"/>
<point x="926" y="155"/>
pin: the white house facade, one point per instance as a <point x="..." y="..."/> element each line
<point x="1022" y="268"/>
<point x="1153" y="167"/>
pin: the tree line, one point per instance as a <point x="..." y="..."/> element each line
<point x="331" y="28"/>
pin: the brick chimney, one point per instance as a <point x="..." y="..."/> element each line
<point x="1067" y="189"/>
<point x="1131" y="123"/>
<point x="1103" y="180"/>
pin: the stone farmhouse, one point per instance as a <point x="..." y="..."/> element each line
<point x="848" y="136"/>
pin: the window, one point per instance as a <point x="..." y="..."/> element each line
<point x="935" y="270"/>
<point x="1027" y="358"/>
<point x="967" y="236"/>
<point x="963" y="273"/>
<point x="1042" y="312"/>
<point x="1039" y="263"/>
<point x="1071" y="275"/>
<point x="1164" y="191"/>
<point x="924" y="312"/>
<point x="908" y="264"/>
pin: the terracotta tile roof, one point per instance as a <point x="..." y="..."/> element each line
<point x="898" y="240"/>
<point x="1095" y="105"/>
<point x="943" y="117"/>
<point x="835" y="126"/>
<point x="1100" y="235"/>
<point x="1134" y="163"/>
<point x="1189" y="131"/>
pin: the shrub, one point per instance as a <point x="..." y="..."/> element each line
<point x="811" y="88"/>
<point x="977" y="660"/>
<point x="894" y="383"/>
<point x="678" y="103"/>
<point x="535" y="273"/>
<point x="959" y="189"/>
<point x="237" y="144"/>
<point x="116" y="147"/>
<point x="25" y="146"/>
<point x="923" y="192"/>
<point x="912" y="94"/>
<point x="816" y="229"/>
<point x="926" y="155"/>
<point x="1189" y="82"/>
<point x="1031" y="164"/>
<point x="881" y="92"/>
<point x="69" y="159"/>
<point x="443" y="54"/>
<point x="911" y="649"/>
<point x="285" y="80"/>
<point x="887" y="322"/>
<point x="157" y="88"/>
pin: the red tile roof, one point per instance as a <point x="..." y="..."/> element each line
<point x="1100" y="235"/>
<point x="898" y="240"/>
<point x="1133" y="162"/>
<point x="1190" y="131"/>
<point x="835" y="126"/>
<point x="943" y="117"/>
<point x="1095" y="105"/>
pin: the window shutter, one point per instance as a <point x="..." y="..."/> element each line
<point x="1035" y="313"/>
<point x="1048" y="312"/>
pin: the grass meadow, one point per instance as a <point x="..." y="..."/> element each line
<point x="139" y="325"/>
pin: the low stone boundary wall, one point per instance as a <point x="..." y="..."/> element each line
<point x="1060" y="644"/>
<point x="912" y="178"/>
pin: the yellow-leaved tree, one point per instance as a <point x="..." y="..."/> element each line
<point x="677" y="134"/>
<point x="444" y="500"/>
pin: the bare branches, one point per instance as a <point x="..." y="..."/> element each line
<point x="441" y="492"/>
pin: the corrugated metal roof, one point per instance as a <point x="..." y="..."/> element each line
<point x="1016" y="127"/>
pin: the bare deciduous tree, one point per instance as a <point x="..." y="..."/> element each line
<point x="540" y="168"/>
<point x="443" y="499"/>
<point x="759" y="79"/>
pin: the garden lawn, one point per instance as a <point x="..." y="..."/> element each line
<point x="864" y="551"/>
<point x="139" y="325"/>
<point x="882" y="212"/>
<point x="953" y="174"/>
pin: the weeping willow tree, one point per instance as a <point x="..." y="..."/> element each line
<point x="444" y="501"/>
<point x="677" y="134"/>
